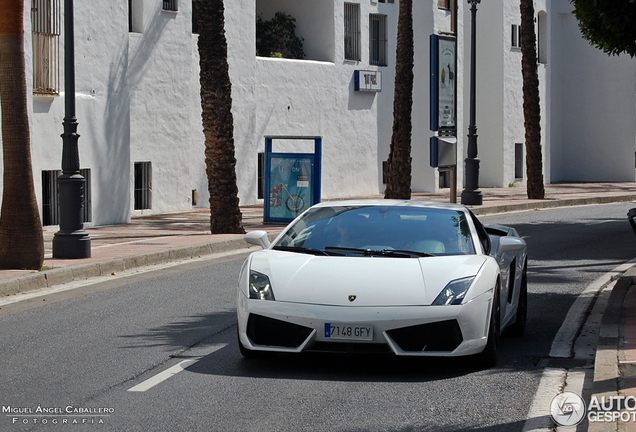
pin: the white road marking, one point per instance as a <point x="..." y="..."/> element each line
<point x="170" y="372"/>
<point x="539" y="418"/>
<point x="564" y="339"/>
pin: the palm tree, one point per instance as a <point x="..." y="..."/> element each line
<point x="398" y="184"/>
<point x="218" y="123"/>
<point x="531" y="108"/>
<point x="21" y="239"/>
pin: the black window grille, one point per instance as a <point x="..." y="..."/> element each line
<point x="377" y="40"/>
<point x="45" y="27"/>
<point x="352" y="31"/>
<point x="50" y="198"/>
<point x="518" y="160"/>
<point x="170" y="5"/>
<point x="143" y="185"/>
<point x="195" y="24"/>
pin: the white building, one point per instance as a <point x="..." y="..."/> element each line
<point x="588" y="99"/>
<point x="139" y="113"/>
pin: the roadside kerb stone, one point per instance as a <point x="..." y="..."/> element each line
<point x="85" y="271"/>
<point x="58" y="276"/>
<point x="607" y="375"/>
<point x="551" y="203"/>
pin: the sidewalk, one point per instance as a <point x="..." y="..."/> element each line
<point x="157" y="239"/>
<point x="161" y="238"/>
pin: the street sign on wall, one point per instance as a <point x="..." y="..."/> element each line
<point x="368" y="81"/>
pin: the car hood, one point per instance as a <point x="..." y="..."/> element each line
<point x="374" y="281"/>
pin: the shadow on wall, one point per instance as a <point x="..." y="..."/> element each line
<point x="115" y="170"/>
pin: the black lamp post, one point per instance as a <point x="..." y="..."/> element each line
<point x="71" y="241"/>
<point x="471" y="195"/>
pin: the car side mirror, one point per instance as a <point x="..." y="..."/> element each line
<point x="510" y="244"/>
<point x="258" y="238"/>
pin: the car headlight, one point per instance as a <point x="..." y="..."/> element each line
<point x="454" y="292"/>
<point x="260" y="288"/>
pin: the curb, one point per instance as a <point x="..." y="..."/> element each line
<point x="608" y="375"/>
<point x="551" y="203"/>
<point x="62" y="275"/>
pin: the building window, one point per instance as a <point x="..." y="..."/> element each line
<point x="135" y="16"/>
<point x="377" y="40"/>
<point x="45" y="24"/>
<point x="143" y="185"/>
<point x="352" y="31"/>
<point x="445" y="179"/>
<point x="518" y="161"/>
<point x="449" y="5"/>
<point x="542" y="37"/>
<point x="170" y="5"/>
<point x="195" y="24"/>
<point x="516" y="36"/>
<point x="50" y="198"/>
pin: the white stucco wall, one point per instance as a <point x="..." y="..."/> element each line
<point x="593" y="100"/>
<point x="165" y="125"/>
<point x="489" y="89"/>
<point x="102" y="110"/>
<point x="286" y="97"/>
<point x="138" y="100"/>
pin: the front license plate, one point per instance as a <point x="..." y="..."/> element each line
<point x="348" y="331"/>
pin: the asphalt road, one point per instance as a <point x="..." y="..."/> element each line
<point x="78" y="354"/>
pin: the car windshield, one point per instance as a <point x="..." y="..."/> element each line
<point x="383" y="230"/>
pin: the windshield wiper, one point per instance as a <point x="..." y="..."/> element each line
<point x="304" y="250"/>
<point x="409" y="252"/>
<point x="394" y="253"/>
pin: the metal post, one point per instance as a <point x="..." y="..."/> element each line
<point x="71" y="241"/>
<point x="471" y="195"/>
<point x="453" y="185"/>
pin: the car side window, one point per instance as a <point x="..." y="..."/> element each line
<point x="481" y="232"/>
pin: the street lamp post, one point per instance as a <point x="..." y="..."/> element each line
<point x="71" y="241"/>
<point x="471" y="195"/>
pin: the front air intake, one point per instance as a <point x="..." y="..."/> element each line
<point x="437" y="336"/>
<point x="272" y="332"/>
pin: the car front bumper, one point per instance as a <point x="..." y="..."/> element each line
<point x="404" y="330"/>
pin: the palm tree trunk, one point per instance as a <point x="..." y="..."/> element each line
<point x="531" y="107"/>
<point x="399" y="163"/>
<point x="218" y="123"/>
<point x="21" y="239"/>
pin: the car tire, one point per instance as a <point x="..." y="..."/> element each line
<point x="518" y="328"/>
<point x="251" y="354"/>
<point x="488" y="357"/>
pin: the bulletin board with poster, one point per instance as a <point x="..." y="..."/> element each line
<point x="443" y="83"/>
<point x="292" y="182"/>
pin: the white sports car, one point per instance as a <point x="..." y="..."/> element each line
<point x="411" y="278"/>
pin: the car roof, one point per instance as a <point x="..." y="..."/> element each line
<point x="392" y="203"/>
